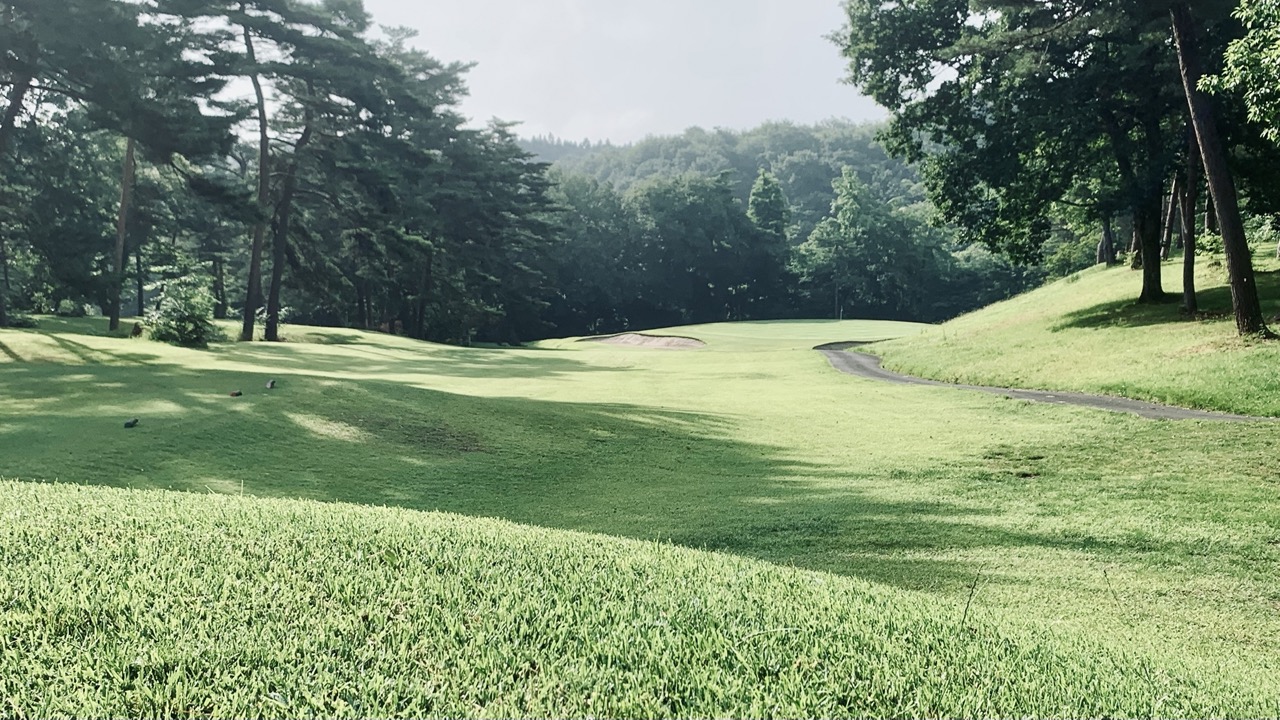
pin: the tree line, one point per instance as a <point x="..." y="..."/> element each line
<point x="347" y="189"/>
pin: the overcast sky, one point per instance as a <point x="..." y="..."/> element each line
<point x="622" y="69"/>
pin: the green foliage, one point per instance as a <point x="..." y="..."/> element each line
<point x="767" y="206"/>
<point x="70" y="308"/>
<point x="23" y="322"/>
<point x="1252" y="67"/>
<point x="184" y="315"/>
<point x="1014" y="107"/>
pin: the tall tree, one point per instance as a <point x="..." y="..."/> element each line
<point x="1244" y="291"/>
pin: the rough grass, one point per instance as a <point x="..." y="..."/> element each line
<point x="1086" y="333"/>
<point x="1140" y="557"/>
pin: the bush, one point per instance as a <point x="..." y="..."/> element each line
<point x="69" y="308"/>
<point x="185" y="315"/>
<point x="25" y="322"/>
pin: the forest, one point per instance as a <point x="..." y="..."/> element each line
<point x="348" y="190"/>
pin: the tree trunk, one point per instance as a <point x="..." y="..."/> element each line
<point x="4" y="288"/>
<point x="1244" y="292"/>
<point x="219" y="289"/>
<point x="1107" y="246"/>
<point x="1210" y="216"/>
<point x="1147" y="234"/>
<point x="1170" y="216"/>
<point x="1135" y="243"/>
<point x="1187" y="211"/>
<point x="253" y="291"/>
<point x="17" y="95"/>
<point x="280" y="238"/>
<point x="13" y="108"/>
<point x="141" y="281"/>
<point x="122" y="228"/>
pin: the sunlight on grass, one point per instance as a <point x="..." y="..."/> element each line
<point x="328" y="429"/>
<point x="1086" y="333"/>
<point x="1099" y="534"/>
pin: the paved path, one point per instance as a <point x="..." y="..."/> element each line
<point x="868" y="366"/>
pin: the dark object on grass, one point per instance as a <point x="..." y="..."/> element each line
<point x="24" y="322"/>
<point x="236" y="393"/>
<point x="271" y="384"/>
<point x="132" y="423"/>
<point x="136" y="331"/>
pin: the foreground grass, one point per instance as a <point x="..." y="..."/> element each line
<point x="1086" y="333"/>
<point x="143" y="603"/>
<point x="1150" y="548"/>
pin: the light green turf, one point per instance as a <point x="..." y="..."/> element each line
<point x="1087" y="333"/>
<point x="1106" y="536"/>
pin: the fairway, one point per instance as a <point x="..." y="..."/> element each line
<point x="1111" y="538"/>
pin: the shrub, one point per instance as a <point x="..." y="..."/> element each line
<point x="69" y="308"/>
<point x="25" y="322"/>
<point x="185" y="315"/>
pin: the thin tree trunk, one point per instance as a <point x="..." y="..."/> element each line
<point x="1189" y="302"/>
<point x="1210" y="216"/>
<point x="280" y="238"/>
<point x="219" y="289"/>
<point x="4" y="290"/>
<point x="122" y="228"/>
<point x="1188" y="200"/>
<point x="253" y="290"/>
<point x="1244" y="291"/>
<point x="1170" y="217"/>
<point x="1135" y="243"/>
<point x="141" y="280"/>
<point x="1107" y="246"/>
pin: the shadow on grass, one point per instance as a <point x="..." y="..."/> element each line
<point x="1214" y="303"/>
<point x="431" y="359"/>
<point x="617" y="469"/>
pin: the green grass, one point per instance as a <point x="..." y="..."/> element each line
<point x="1086" y="333"/>
<point x="1122" y="566"/>
<point x="146" y="604"/>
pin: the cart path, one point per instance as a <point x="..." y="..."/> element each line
<point x="868" y="366"/>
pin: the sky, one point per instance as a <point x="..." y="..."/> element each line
<point x="620" y="70"/>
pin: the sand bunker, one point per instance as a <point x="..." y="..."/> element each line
<point x="662" y="342"/>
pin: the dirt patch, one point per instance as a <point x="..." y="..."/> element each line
<point x="661" y="342"/>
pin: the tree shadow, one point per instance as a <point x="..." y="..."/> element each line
<point x="92" y="355"/>
<point x="613" y="469"/>
<point x="1213" y="303"/>
<point x="9" y="353"/>
<point x="440" y="360"/>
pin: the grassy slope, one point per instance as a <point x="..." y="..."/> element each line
<point x="1086" y="333"/>
<point x="1165" y="547"/>
<point x="147" y="604"/>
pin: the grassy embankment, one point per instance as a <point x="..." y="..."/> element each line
<point x="1086" y="333"/>
<point x="1134" y="577"/>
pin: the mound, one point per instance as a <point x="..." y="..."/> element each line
<point x="140" y="603"/>
<point x="663" y="342"/>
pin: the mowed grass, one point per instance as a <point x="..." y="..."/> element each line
<point x="1087" y="333"/>
<point x="1138" y="559"/>
<point x="150" y="604"/>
